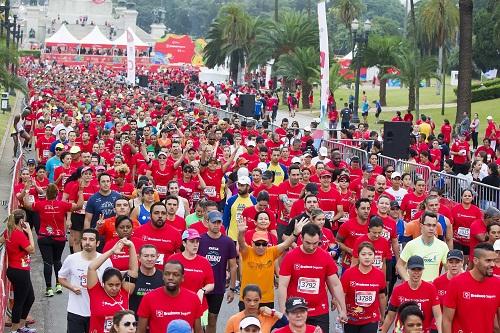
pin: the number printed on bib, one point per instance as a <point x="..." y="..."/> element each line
<point x="364" y="298"/>
<point x="108" y="323"/>
<point x="463" y="232"/>
<point x="413" y="212"/>
<point x="308" y="285"/>
<point x="161" y="189"/>
<point x="378" y="261"/>
<point x="210" y="191"/>
<point x="83" y="281"/>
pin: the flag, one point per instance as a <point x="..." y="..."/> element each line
<point x="130" y="58"/>
<point x="324" y="61"/>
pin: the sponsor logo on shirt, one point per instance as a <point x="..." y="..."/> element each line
<point x="161" y="313"/>
<point x="468" y="295"/>
<point x="300" y="266"/>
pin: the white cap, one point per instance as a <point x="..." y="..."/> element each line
<point x="262" y="166"/>
<point x="496" y="245"/>
<point x="244" y="180"/>
<point x="316" y="120"/>
<point x="489" y="118"/>
<point x="395" y="174"/>
<point x="242" y="172"/>
<point x="323" y="151"/>
<point x="251" y="143"/>
<point x="307" y="128"/>
<point x="249" y="321"/>
<point x="296" y="159"/>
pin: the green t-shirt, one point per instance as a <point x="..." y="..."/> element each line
<point x="434" y="255"/>
<point x="192" y="218"/>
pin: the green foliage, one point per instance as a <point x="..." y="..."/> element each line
<point x="8" y="80"/>
<point x="347" y="10"/>
<point x="303" y="64"/>
<point x="335" y="79"/>
<point x="486" y="47"/>
<point x="484" y="84"/>
<point x="437" y="20"/>
<point x="486" y="93"/>
<point x="30" y="53"/>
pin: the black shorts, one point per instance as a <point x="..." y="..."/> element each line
<point x="465" y="249"/>
<point x="77" y="222"/>
<point x="214" y="302"/>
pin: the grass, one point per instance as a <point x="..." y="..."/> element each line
<point x="4" y="117"/>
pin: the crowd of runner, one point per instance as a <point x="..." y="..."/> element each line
<point x="173" y="210"/>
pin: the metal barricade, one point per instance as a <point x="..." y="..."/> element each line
<point x="486" y="195"/>
<point x="383" y="161"/>
<point x="416" y="171"/>
<point x="451" y="186"/>
<point x="346" y="152"/>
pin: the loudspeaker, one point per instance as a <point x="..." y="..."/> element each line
<point x="143" y="81"/>
<point x="177" y="89"/>
<point x="397" y="139"/>
<point x="247" y="105"/>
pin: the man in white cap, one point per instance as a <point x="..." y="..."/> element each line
<point x="491" y="131"/>
<point x="322" y="156"/>
<point x="235" y="206"/>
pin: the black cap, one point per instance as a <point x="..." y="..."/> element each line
<point x="294" y="303"/>
<point x="31" y="161"/>
<point x="312" y="188"/>
<point x="146" y="189"/>
<point x="267" y="174"/>
<point x="455" y="254"/>
<point x="415" y="262"/>
<point x="395" y="204"/>
<point x="355" y="159"/>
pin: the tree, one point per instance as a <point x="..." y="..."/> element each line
<point x="464" y="94"/>
<point x="381" y="52"/>
<point x="412" y="69"/>
<point x="485" y="51"/>
<point x="8" y="80"/>
<point x="336" y="80"/>
<point x="347" y="11"/>
<point x="303" y="64"/>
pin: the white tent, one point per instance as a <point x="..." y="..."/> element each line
<point x="121" y="42"/>
<point x="62" y="37"/>
<point x="96" y="39"/>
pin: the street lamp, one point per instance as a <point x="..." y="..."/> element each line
<point x="360" y="41"/>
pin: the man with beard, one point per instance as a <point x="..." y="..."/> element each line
<point x="235" y="206"/>
<point x="170" y="302"/>
<point x="164" y="237"/>
<point x="101" y="204"/>
<point x="73" y="276"/>
<point x="472" y="302"/>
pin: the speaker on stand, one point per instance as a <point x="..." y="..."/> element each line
<point x="247" y="105"/>
<point x="143" y="81"/>
<point x="397" y="139"/>
<point x="177" y="89"/>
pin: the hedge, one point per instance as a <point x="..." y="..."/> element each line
<point x="486" y="93"/>
<point x="485" y="84"/>
<point x="30" y="53"/>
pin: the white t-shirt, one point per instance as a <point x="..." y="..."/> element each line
<point x="74" y="269"/>
<point x="398" y="195"/>
<point x="222" y="99"/>
<point x="59" y="127"/>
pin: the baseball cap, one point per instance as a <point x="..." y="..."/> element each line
<point x="260" y="235"/>
<point x="496" y="245"/>
<point x="367" y="168"/>
<point x="394" y="204"/>
<point x="60" y="145"/>
<point x="355" y="159"/>
<point x="296" y="159"/>
<point x="489" y="118"/>
<point x="262" y="166"/>
<point x="49" y="126"/>
<point x="267" y="174"/>
<point x="307" y="153"/>
<point x="190" y="234"/>
<point x="241" y="161"/>
<point x="415" y="262"/>
<point x="214" y="216"/>
<point x="146" y="189"/>
<point x="325" y="173"/>
<point x="251" y="143"/>
<point x="344" y="177"/>
<point x="323" y="151"/>
<point x="87" y="168"/>
<point x="455" y="254"/>
<point x="244" y="180"/>
<point x="74" y="150"/>
<point x="395" y="174"/>
<point x="31" y="161"/>
<point x="162" y="153"/>
<point x="295" y="303"/>
<point x="307" y="128"/>
<point x="249" y="321"/>
<point x="179" y="326"/>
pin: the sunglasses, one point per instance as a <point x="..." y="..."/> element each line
<point x="59" y="149"/>
<point x="261" y="244"/>
<point x="162" y="157"/>
<point x="128" y="323"/>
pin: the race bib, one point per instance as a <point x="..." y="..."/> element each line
<point x="210" y="191"/>
<point x="364" y="298"/>
<point x="413" y="212"/>
<point x="463" y="232"/>
<point x="108" y="323"/>
<point x="83" y="281"/>
<point x="159" y="261"/>
<point x="344" y="218"/>
<point x="308" y="285"/>
<point x="196" y="196"/>
<point x="31" y="198"/>
<point x="25" y="261"/>
<point x="385" y="234"/>
<point x="329" y="215"/>
<point x="46" y="153"/>
<point x="162" y="190"/>
<point x="378" y="261"/>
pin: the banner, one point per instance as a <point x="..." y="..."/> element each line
<point x="324" y="60"/>
<point x="130" y="58"/>
<point x="179" y="49"/>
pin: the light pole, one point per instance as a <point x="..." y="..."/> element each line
<point x="360" y="41"/>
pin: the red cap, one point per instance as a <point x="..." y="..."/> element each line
<point x="325" y="173"/>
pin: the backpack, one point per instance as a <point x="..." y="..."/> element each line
<point x="294" y="100"/>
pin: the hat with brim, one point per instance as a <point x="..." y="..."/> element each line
<point x="415" y="262"/>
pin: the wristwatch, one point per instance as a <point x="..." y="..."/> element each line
<point x="233" y="290"/>
<point x="204" y="291"/>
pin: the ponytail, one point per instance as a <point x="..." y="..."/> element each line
<point x="14" y="219"/>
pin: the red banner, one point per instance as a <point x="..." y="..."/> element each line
<point x="179" y="49"/>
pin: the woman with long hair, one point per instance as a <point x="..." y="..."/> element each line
<point x="62" y="173"/>
<point x="124" y="322"/>
<point x="31" y="190"/>
<point x="19" y="244"/>
<point x="52" y="233"/>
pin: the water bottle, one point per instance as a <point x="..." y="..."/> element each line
<point x="339" y="327"/>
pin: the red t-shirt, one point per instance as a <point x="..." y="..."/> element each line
<point x="59" y="171"/>
<point x="103" y="307"/>
<point x="476" y="228"/>
<point x="287" y="329"/>
<point x="202" y="229"/>
<point x="362" y="295"/>
<point x="213" y="182"/>
<point x="43" y="145"/>
<point x="167" y="240"/>
<point x="162" y="177"/>
<point x="273" y="192"/>
<point x="382" y="249"/>
<point x="52" y="215"/>
<point x="17" y="256"/>
<point x="328" y="202"/>
<point x="425" y="295"/>
<point x="293" y="194"/>
<point x="441" y="283"/>
<point x="409" y="205"/>
<point x="462" y="220"/>
<point x="458" y="146"/>
<point x="161" y="308"/>
<point x="121" y="260"/>
<point x="475" y="303"/>
<point x="308" y="274"/>
<point x="178" y="223"/>
<point x="250" y="212"/>
<point x="350" y="231"/>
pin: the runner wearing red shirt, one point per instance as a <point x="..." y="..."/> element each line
<point x="174" y="220"/>
<point x="329" y="199"/>
<point x="328" y="242"/>
<point x="460" y="154"/>
<point x="472" y="302"/>
<point x="165" y="304"/>
<point x="164" y="237"/>
<point x="491" y="130"/>
<point x="411" y="201"/>
<point x="415" y="289"/>
<point x="364" y="287"/>
<point x="446" y="130"/>
<point x="290" y="191"/>
<point x="297" y="312"/>
<point x="212" y="174"/>
<point x="478" y="229"/>
<point x="162" y="171"/>
<point x="454" y="267"/>
<point x="262" y="205"/>
<point x="307" y="272"/>
<point x="43" y="144"/>
<point x="352" y="229"/>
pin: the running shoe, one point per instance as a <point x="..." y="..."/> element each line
<point x="59" y="288"/>
<point x="27" y="329"/>
<point x="49" y="292"/>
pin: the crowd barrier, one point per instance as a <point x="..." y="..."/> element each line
<point x="346" y="151"/>
<point x="416" y="171"/>
<point x="383" y="161"/>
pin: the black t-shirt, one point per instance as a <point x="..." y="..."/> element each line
<point x="345" y="113"/>
<point x="143" y="285"/>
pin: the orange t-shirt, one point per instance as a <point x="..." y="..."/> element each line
<point x="108" y="228"/>
<point x="412" y="229"/>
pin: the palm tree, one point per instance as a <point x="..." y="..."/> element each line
<point x="381" y="52"/>
<point x="9" y="80"/>
<point x="231" y="35"/>
<point x="303" y="64"/>
<point x="347" y="10"/>
<point x="464" y="95"/>
<point x="336" y="80"/>
<point x="411" y="71"/>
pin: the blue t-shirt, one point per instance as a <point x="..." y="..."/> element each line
<point x="258" y="108"/>
<point x="101" y="204"/>
<point x="217" y="252"/>
<point x="51" y="165"/>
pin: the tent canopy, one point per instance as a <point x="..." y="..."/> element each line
<point x="62" y="37"/>
<point x="96" y="39"/>
<point x="121" y="42"/>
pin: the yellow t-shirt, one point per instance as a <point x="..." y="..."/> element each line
<point x="236" y="211"/>
<point x="426" y="129"/>
<point x="233" y="324"/>
<point x="259" y="270"/>
<point x="279" y="174"/>
<point x="434" y="256"/>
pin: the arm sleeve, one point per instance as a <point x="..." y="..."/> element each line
<point x="407" y="252"/>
